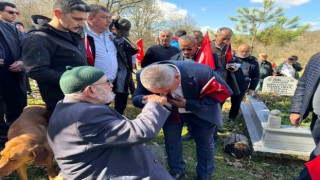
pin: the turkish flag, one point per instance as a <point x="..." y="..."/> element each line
<point x="140" y="53"/>
<point x="229" y="53"/>
<point x="314" y="168"/>
<point x="90" y="58"/>
<point x="205" y="53"/>
<point x="215" y="90"/>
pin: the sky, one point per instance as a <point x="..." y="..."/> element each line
<point x="214" y="14"/>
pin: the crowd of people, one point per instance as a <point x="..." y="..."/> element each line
<point x="82" y="60"/>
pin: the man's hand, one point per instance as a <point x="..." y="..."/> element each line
<point x="162" y="100"/>
<point x="115" y="17"/>
<point x="134" y="46"/>
<point x="16" y="66"/>
<point x="178" y="101"/>
<point x="295" y="119"/>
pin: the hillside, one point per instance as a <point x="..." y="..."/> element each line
<point x="304" y="47"/>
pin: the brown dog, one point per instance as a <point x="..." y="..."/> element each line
<point x="27" y="141"/>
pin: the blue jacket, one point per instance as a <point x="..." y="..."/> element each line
<point x="193" y="78"/>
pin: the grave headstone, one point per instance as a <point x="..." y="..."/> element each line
<point x="280" y="85"/>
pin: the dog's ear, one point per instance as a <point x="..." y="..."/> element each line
<point x="40" y="155"/>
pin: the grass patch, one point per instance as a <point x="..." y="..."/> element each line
<point x="281" y="103"/>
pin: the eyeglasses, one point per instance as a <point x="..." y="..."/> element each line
<point x="12" y="12"/>
<point x="186" y="49"/>
<point x="107" y="82"/>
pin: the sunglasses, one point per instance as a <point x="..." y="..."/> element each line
<point x="186" y="49"/>
<point x="12" y="12"/>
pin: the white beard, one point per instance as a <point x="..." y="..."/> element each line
<point x="106" y="97"/>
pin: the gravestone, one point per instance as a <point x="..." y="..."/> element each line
<point x="280" y="85"/>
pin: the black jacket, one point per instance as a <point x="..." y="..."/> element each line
<point x="12" y="38"/>
<point x="46" y="52"/>
<point x="248" y="75"/>
<point x="265" y="69"/>
<point x="124" y="57"/>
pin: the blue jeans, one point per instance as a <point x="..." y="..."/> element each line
<point x="202" y="132"/>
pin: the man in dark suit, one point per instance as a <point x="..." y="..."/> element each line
<point x="306" y="99"/>
<point x="92" y="141"/>
<point x="182" y="82"/>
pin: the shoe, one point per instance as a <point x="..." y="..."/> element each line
<point x="178" y="175"/>
<point x="187" y="137"/>
<point x="220" y="129"/>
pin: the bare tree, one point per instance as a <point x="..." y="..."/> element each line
<point x="116" y="6"/>
<point x="186" y="23"/>
<point x="33" y="7"/>
<point x="146" y="19"/>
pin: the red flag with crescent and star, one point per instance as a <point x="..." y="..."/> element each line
<point x="205" y="53"/>
<point x="140" y="53"/>
<point x="215" y="90"/>
<point x="229" y="53"/>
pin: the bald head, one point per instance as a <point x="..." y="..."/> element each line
<point x="188" y="45"/>
<point x="243" y="51"/>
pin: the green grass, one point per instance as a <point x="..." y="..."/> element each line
<point x="259" y="166"/>
<point x="281" y="103"/>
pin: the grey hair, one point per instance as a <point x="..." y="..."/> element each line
<point x="166" y="30"/>
<point x="224" y="29"/>
<point x="157" y="76"/>
<point x="95" y="8"/>
<point x="187" y="38"/>
<point x="78" y="96"/>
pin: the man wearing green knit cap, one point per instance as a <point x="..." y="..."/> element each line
<point x="92" y="141"/>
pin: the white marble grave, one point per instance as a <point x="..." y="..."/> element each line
<point x="287" y="140"/>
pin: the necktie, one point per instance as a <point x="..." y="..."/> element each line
<point x="174" y="111"/>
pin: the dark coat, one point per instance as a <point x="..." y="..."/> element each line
<point x="193" y="78"/>
<point x="302" y="100"/>
<point x="124" y="57"/>
<point x="13" y="37"/>
<point x="265" y="69"/>
<point x="158" y="53"/>
<point x="46" y="52"/>
<point x="95" y="142"/>
<point x="248" y="76"/>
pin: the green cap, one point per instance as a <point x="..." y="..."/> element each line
<point x="77" y="78"/>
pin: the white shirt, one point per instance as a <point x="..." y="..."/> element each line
<point x="106" y="53"/>
<point x="179" y="92"/>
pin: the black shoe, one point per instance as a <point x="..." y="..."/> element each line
<point x="178" y="175"/>
<point x="187" y="137"/>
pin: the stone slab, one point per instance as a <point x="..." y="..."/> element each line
<point x="287" y="140"/>
<point x="280" y="85"/>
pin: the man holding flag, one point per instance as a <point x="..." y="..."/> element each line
<point x="221" y="46"/>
